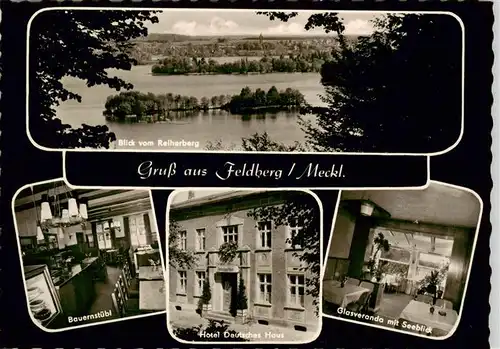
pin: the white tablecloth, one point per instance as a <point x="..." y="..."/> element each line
<point x="152" y="296"/>
<point x="150" y="273"/>
<point x="418" y="313"/>
<point x="341" y="296"/>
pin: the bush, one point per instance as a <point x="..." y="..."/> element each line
<point x="206" y="295"/>
<point x="214" y="330"/>
<point x="228" y="251"/>
<point x="242" y="296"/>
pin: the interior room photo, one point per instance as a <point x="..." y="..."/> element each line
<point x="88" y="255"/>
<point x="401" y="258"/>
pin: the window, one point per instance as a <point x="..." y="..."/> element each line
<point x="230" y="233"/>
<point x="296" y="290"/>
<point x="200" y="279"/>
<point x="265" y="287"/>
<point x="428" y="263"/>
<point x="90" y="241"/>
<point x="137" y="230"/>
<point x="200" y="239"/>
<point x="181" y="287"/>
<point x="183" y="240"/>
<point x="264" y="234"/>
<point x="412" y="255"/>
<point x="293" y="230"/>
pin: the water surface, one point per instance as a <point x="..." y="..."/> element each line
<point x="201" y="127"/>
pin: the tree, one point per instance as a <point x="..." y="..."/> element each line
<point x="204" y="103"/>
<point x="396" y="90"/>
<point x="214" y="101"/>
<point x="262" y="142"/>
<point x="206" y="294"/>
<point x="84" y="45"/>
<point x="299" y="209"/>
<point x="177" y="257"/>
<point x="241" y="300"/>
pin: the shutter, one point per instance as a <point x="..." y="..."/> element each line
<point x="147" y="226"/>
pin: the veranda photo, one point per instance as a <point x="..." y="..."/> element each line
<point x="400" y="259"/>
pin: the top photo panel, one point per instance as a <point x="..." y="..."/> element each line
<point x="206" y="80"/>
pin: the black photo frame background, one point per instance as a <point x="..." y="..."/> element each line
<point x="467" y="165"/>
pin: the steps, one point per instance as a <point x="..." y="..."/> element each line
<point x="220" y="315"/>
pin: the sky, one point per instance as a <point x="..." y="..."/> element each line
<point x="246" y="22"/>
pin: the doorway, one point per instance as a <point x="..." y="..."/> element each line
<point x="229" y="291"/>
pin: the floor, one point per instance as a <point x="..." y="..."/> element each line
<point x="189" y="318"/>
<point x="391" y="307"/>
<point x="103" y="291"/>
<point x="393" y="304"/>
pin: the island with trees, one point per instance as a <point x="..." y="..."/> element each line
<point x="310" y="63"/>
<point x="136" y="106"/>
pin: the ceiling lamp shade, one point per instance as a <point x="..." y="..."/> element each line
<point x="60" y="233"/>
<point x="46" y="213"/>
<point x="72" y="207"/>
<point x="83" y="209"/>
<point x="39" y="233"/>
<point x="65" y="216"/>
<point x="367" y="208"/>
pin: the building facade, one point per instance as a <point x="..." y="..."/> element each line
<point x="275" y="279"/>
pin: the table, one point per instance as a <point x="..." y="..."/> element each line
<point x="418" y="313"/>
<point x="149" y="273"/>
<point x="89" y="260"/>
<point x="341" y="296"/>
<point x="152" y="295"/>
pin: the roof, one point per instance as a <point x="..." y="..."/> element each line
<point x="219" y="197"/>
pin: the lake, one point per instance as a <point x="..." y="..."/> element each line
<point x="199" y="128"/>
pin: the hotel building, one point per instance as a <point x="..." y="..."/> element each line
<point x="274" y="277"/>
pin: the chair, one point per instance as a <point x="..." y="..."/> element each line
<point x="101" y="272"/>
<point x="352" y="281"/>
<point x="424" y="298"/>
<point x="130" y="283"/>
<point x="444" y="303"/>
<point x="126" y="272"/>
<point x="124" y="305"/>
<point x="436" y="332"/>
<point x="368" y="285"/>
<point x="118" y="301"/>
<point x="361" y="304"/>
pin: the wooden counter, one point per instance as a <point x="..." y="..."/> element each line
<point x="77" y="292"/>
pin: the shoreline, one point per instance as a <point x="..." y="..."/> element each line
<point x="248" y="73"/>
<point x="241" y="113"/>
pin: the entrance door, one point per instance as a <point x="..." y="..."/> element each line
<point x="228" y="290"/>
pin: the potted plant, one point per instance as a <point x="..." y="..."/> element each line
<point x="431" y="283"/>
<point x="375" y="268"/>
<point x="204" y="304"/>
<point x="241" y="301"/>
<point x="228" y="251"/>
